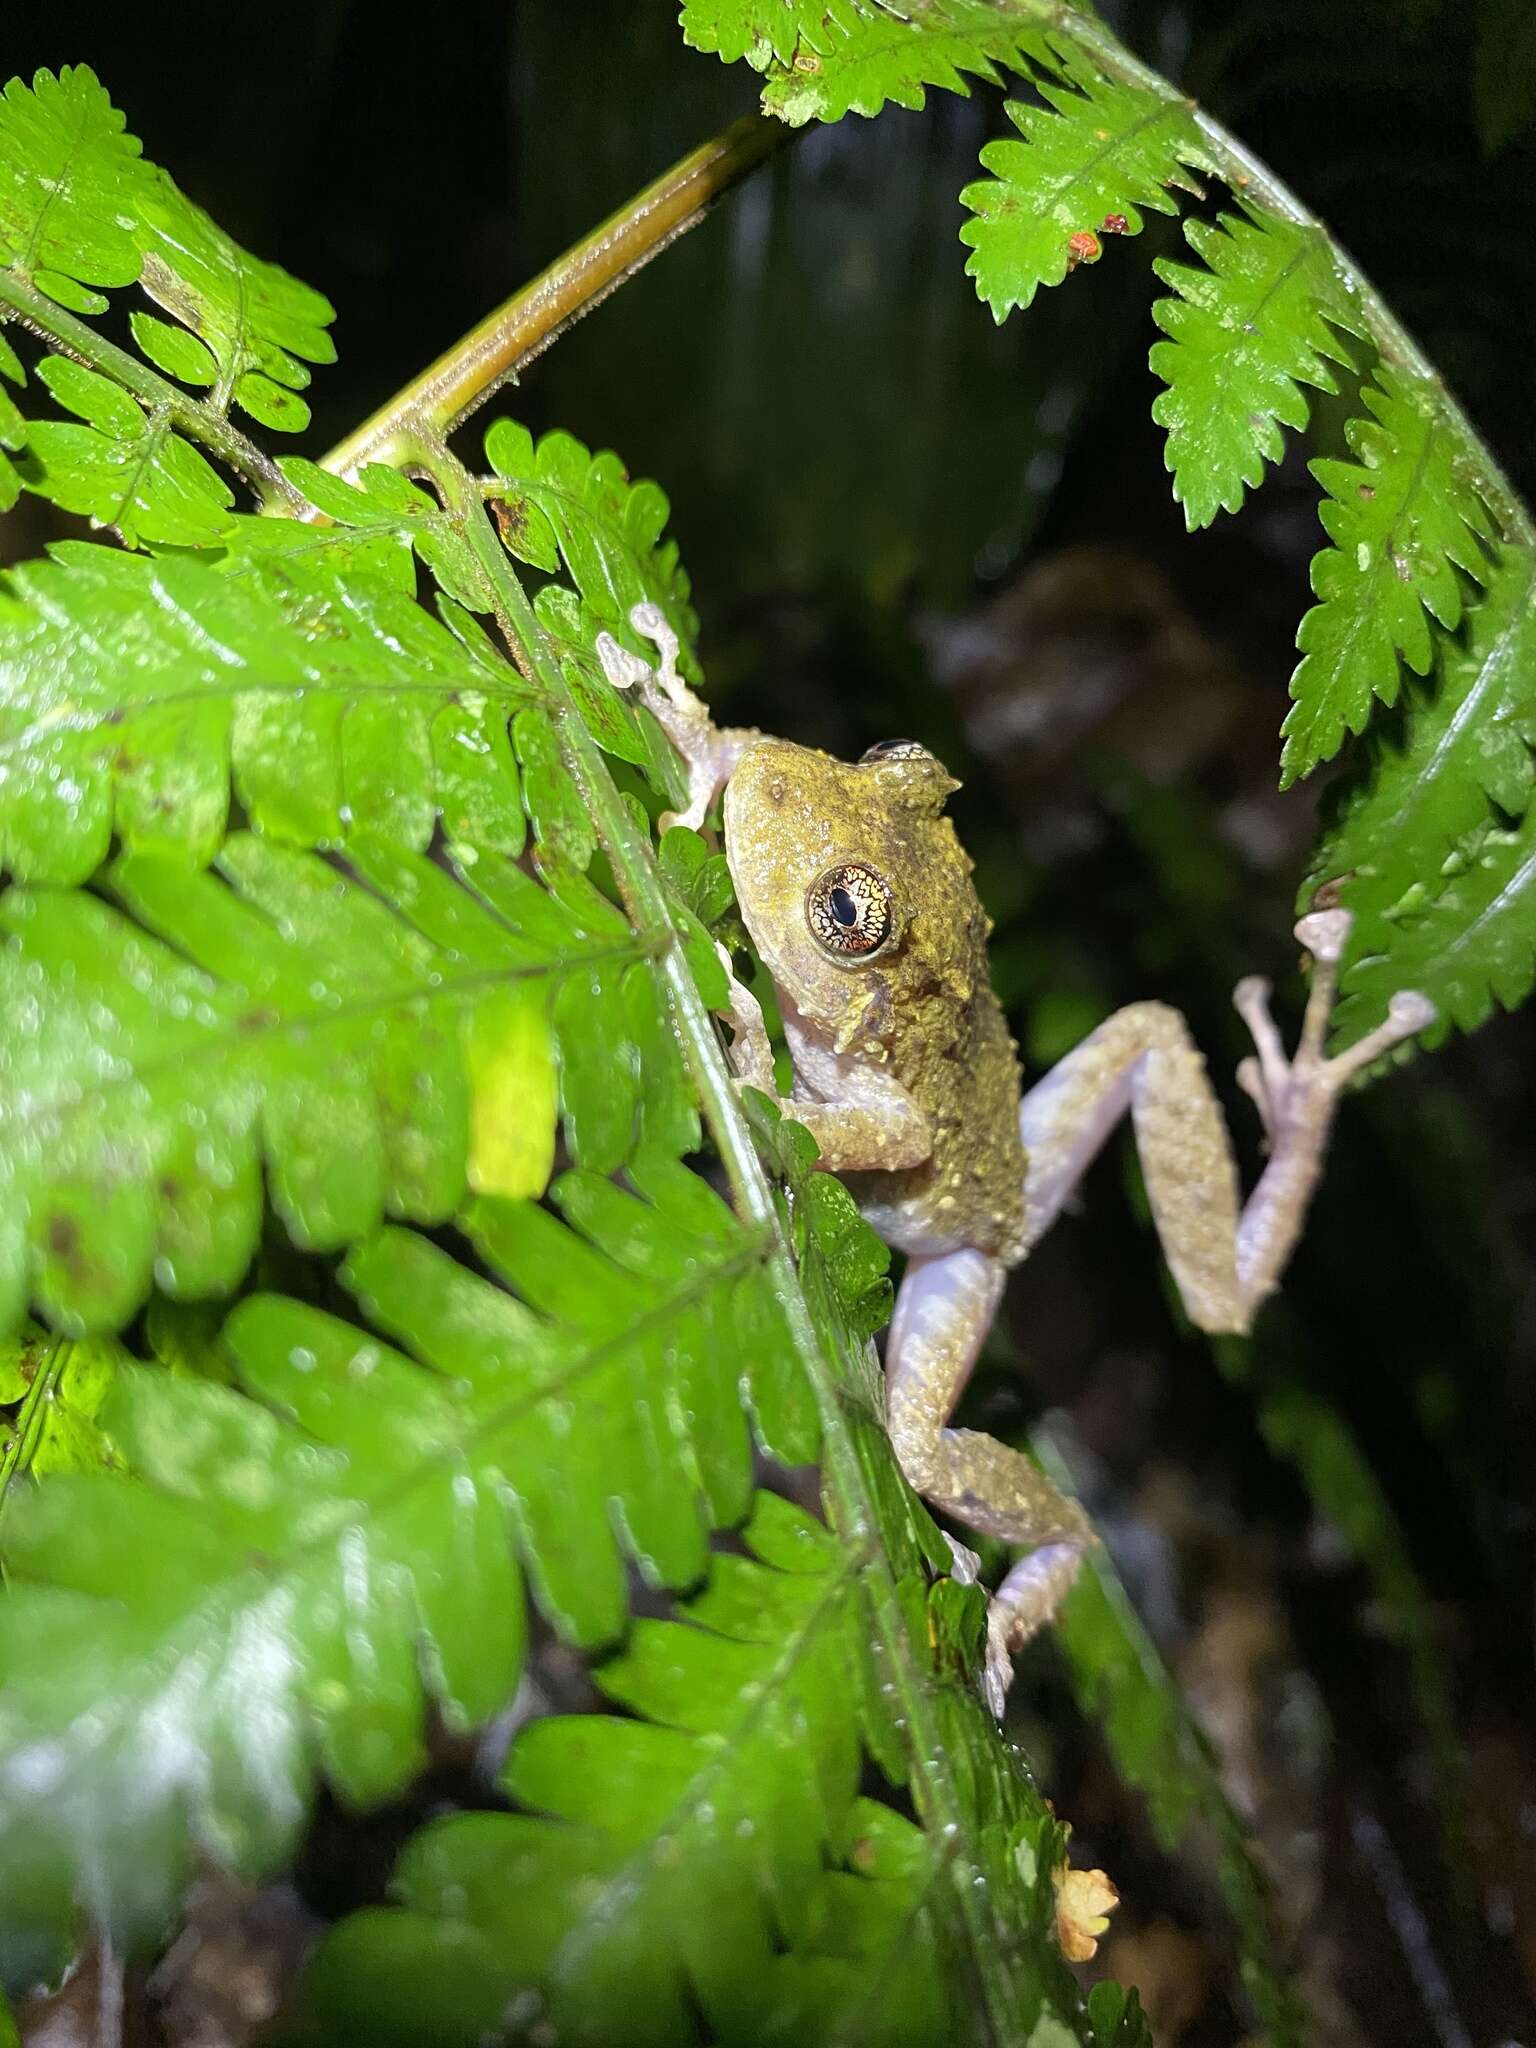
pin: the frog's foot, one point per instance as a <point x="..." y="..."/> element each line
<point x="709" y="753"/>
<point x="965" y="1565"/>
<point x="1295" y="1096"/>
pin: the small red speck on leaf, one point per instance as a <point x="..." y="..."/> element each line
<point x="1116" y="224"/>
<point x="1083" y="247"/>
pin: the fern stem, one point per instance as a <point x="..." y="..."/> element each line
<point x="507" y="340"/>
<point x="198" y="421"/>
<point x="1251" y="178"/>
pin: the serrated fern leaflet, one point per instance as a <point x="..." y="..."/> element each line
<point x="82" y="214"/>
<point x="1098" y="152"/>
<point x="1246" y="333"/>
<point x="1402" y="523"/>
<point x="828" y="58"/>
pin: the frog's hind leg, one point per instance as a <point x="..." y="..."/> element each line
<point x="943" y="1311"/>
<point x="1224" y="1259"/>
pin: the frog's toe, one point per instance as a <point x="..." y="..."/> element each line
<point x="965" y="1565"/>
<point x="997" y="1670"/>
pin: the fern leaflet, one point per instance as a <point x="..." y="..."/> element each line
<point x="81" y="210"/>
<point x="134" y="690"/>
<point x="72" y="180"/>
<point x="1099" y="150"/>
<point x="828" y="58"/>
<point x="728" y="1797"/>
<point x="1247" y="332"/>
<point x="1432" y="848"/>
<point x="1402" y="522"/>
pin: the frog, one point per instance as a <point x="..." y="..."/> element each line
<point x="861" y="905"/>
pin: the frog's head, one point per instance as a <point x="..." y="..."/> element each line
<point x="850" y="879"/>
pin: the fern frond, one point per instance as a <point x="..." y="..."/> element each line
<point x="558" y="503"/>
<point x="71" y="178"/>
<point x="1402" y="522"/>
<point x="718" y="1803"/>
<point x="133" y="692"/>
<point x="1100" y="150"/>
<point x="248" y="329"/>
<point x="121" y="466"/>
<point x="82" y="213"/>
<point x="331" y="1542"/>
<point x="1247" y="332"/>
<point x="663" y="1861"/>
<point x="1432" y="848"/>
<point x="828" y="58"/>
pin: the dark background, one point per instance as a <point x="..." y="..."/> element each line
<point x="901" y="519"/>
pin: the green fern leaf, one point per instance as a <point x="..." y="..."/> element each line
<point x="80" y="208"/>
<point x="351" y="1038"/>
<point x="865" y="55"/>
<point x="1402" y="522"/>
<point x="556" y="502"/>
<point x="382" y="501"/>
<point x="123" y="467"/>
<point x="759" y="30"/>
<point x="252" y="327"/>
<point x="666" y="1862"/>
<point x="131" y="691"/>
<point x="1247" y="332"/>
<point x="71" y="178"/>
<point x="55" y="1389"/>
<point x="13" y="425"/>
<point x="1100" y="149"/>
<point x="1421" y="848"/>
<point x="828" y="58"/>
<point x="380" y="1488"/>
<point x="717" y="1804"/>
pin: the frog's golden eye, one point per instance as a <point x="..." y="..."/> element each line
<point x="893" y="750"/>
<point x="849" y="911"/>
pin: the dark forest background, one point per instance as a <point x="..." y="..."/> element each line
<point x="902" y="520"/>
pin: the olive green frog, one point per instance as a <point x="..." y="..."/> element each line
<point x="859" y="900"/>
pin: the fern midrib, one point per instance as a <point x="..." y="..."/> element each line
<point x="1298" y="257"/>
<point x="217" y="1045"/>
<point x="117" y="716"/>
<point x="1114" y="144"/>
<point x="156" y="427"/>
<point x="26" y="1432"/>
<point x="1513" y="889"/>
<point x="81" y="111"/>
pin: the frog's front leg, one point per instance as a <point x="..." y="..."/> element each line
<point x="1224" y="1260"/>
<point x="943" y="1312"/>
<point x="871" y="1122"/>
<point x="710" y="752"/>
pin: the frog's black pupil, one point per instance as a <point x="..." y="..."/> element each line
<point x="843" y="907"/>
